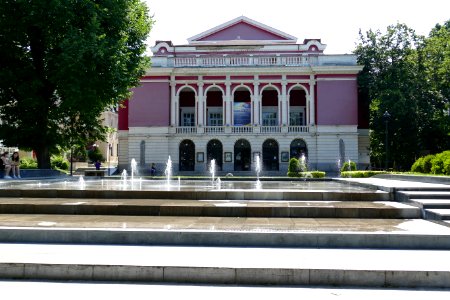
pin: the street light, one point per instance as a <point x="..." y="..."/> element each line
<point x="386" y="117"/>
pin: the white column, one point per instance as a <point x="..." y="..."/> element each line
<point x="256" y="102"/>
<point x="307" y="111"/>
<point x="227" y="106"/>
<point x="200" y="103"/>
<point x="177" y="110"/>
<point x="173" y="104"/>
<point x="283" y="109"/>
<point x="312" y="111"/>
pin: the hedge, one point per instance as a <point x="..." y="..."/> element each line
<point x="361" y="174"/>
<point x="309" y="174"/>
<point x="433" y="164"/>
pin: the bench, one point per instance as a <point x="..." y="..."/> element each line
<point x="96" y="173"/>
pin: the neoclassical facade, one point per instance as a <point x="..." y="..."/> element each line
<point x="241" y="90"/>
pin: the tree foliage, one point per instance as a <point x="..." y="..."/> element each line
<point x="399" y="76"/>
<point x="63" y="62"/>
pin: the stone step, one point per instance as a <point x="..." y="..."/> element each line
<point x="217" y="231"/>
<point x="424" y="194"/>
<point x="438" y="214"/>
<point x="209" y="208"/>
<point x="431" y="203"/>
<point x="52" y="290"/>
<point x="238" y="194"/>
<point x="223" y="265"/>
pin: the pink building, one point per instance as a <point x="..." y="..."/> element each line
<point x="242" y="90"/>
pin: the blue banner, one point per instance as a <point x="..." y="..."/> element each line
<point x="242" y="113"/>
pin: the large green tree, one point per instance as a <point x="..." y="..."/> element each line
<point x="395" y="79"/>
<point x="63" y="62"/>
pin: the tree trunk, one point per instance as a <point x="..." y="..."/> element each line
<point x="43" y="158"/>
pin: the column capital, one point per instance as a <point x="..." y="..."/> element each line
<point x="200" y="84"/>
<point x="256" y="83"/>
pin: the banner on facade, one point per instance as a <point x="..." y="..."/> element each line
<point x="242" y="113"/>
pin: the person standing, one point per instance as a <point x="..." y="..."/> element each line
<point x="15" y="164"/>
<point x="7" y="164"/>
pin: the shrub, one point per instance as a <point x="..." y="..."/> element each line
<point x="95" y="155"/>
<point x="293" y="174"/>
<point x="348" y="166"/>
<point x="310" y="174"/>
<point x="361" y="174"/>
<point x="28" y="163"/>
<point x="59" y="162"/>
<point x="317" y="174"/>
<point x="293" y="166"/>
<point x="423" y="164"/>
<point x="439" y="162"/>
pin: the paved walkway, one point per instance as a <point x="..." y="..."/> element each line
<point x="18" y="290"/>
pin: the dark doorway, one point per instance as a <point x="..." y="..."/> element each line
<point x="242" y="155"/>
<point x="298" y="147"/>
<point x="214" y="151"/>
<point x="270" y="155"/>
<point x="187" y="155"/>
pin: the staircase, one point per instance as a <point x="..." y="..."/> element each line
<point x="313" y="238"/>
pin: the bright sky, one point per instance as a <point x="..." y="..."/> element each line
<point x="336" y="22"/>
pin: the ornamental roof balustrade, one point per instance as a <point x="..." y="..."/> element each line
<point x="256" y="61"/>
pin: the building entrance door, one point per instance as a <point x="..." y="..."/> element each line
<point x="187" y="155"/>
<point x="270" y="155"/>
<point x="214" y="151"/>
<point x="242" y="155"/>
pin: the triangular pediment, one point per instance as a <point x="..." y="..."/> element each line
<point x="242" y="29"/>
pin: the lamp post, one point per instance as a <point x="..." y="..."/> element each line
<point x="386" y="117"/>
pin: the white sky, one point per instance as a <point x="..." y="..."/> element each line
<point x="336" y="22"/>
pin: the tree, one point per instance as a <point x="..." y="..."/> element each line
<point x="62" y="63"/>
<point x="389" y="79"/>
<point x="434" y="62"/>
<point x="397" y="75"/>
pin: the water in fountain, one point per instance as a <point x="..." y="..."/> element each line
<point x="257" y="167"/>
<point x="133" y="168"/>
<point x="168" y="171"/>
<point x="219" y="183"/>
<point x="349" y="165"/>
<point x="302" y="163"/>
<point x="81" y="182"/>
<point x="338" y="163"/>
<point x="212" y="169"/>
<point x="123" y="177"/>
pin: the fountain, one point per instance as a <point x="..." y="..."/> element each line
<point x="219" y="183"/>
<point x="168" y="171"/>
<point x="81" y="182"/>
<point x="257" y="167"/>
<point x="212" y="169"/>
<point x="302" y="164"/>
<point x="133" y="168"/>
<point x="123" y="177"/>
<point x="338" y="163"/>
<point x="258" y="171"/>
